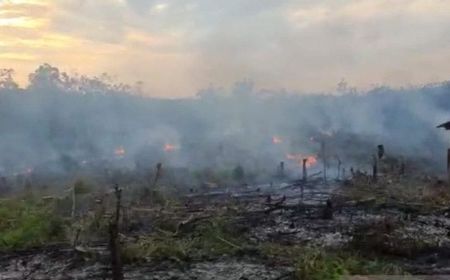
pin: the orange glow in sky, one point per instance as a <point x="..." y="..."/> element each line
<point x="179" y="47"/>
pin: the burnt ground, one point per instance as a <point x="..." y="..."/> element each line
<point x="407" y="235"/>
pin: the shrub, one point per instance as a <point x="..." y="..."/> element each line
<point x="157" y="248"/>
<point x="27" y="223"/>
<point x="316" y="263"/>
<point x="216" y="238"/>
<point x="209" y="239"/>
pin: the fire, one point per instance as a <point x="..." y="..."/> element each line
<point x="120" y="151"/>
<point x="168" y="148"/>
<point x="311" y="161"/>
<point x="295" y="157"/>
<point x="277" y="140"/>
<point x="298" y="158"/>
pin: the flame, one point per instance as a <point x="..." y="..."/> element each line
<point x="298" y="158"/>
<point x="120" y="151"/>
<point x="277" y="140"/>
<point x="311" y="161"/>
<point x="168" y="148"/>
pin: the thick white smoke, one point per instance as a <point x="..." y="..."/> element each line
<point x="61" y="122"/>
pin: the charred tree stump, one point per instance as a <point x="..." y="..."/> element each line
<point x="324" y="160"/>
<point x="114" y="242"/>
<point x="281" y="170"/>
<point x="305" y="171"/>
<point x="74" y="202"/>
<point x="448" y="165"/>
<point x="380" y="151"/>
<point x="157" y="174"/>
<point x="339" y="168"/>
<point x="328" y="211"/>
<point x="76" y="237"/>
<point x="375" y="169"/>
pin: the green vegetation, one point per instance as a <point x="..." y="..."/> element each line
<point x="318" y="264"/>
<point x="26" y="223"/>
<point x="157" y="248"/>
<point x="180" y="239"/>
<point x="420" y="194"/>
<point x="209" y="239"/>
<point x="215" y="238"/>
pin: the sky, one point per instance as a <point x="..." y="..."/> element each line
<point x="176" y="47"/>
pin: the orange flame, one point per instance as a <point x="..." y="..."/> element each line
<point x="277" y="140"/>
<point x="311" y="161"/>
<point x="120" y="151"/>
<point x="168" y="148"/>
<point x="298" y="158"/>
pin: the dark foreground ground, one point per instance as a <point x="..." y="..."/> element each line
<point x="300" y="230"/>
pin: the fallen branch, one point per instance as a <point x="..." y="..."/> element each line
<point x="228" y="242"/>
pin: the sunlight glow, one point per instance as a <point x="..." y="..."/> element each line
<point x="24" y="22"/>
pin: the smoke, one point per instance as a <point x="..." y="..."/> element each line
<point x="60" y="123"/>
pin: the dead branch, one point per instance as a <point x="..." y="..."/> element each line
<point x="228" y="243"/>
<point x="114" y="243"/>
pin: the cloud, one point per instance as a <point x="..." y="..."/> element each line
<point x="301" y="45"/>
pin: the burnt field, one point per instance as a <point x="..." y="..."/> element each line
<point x="98" y="182"/>
<point x="394" y="221"/>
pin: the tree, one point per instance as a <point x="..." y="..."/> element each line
<point x="7" y="80"/>
<point x="46" y="76"/>
<point x="238" y="173"/>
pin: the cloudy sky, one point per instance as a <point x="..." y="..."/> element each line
<point x="179" y="46"/>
